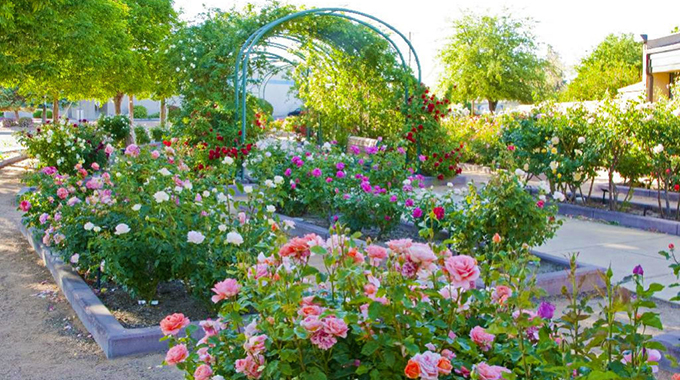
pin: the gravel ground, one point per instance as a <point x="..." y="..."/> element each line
<point x="43" y="338"/>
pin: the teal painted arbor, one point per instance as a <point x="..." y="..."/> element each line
<point x="266" y="32"/>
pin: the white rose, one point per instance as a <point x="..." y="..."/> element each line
<point x="558" y="196"/>
<point x="554" y="165"/>
<point x="269" y="183"/>
<point x="658" y="149"/>
<point x="161" y="196"/>
<point x="247" y="189"/>
<point x="221" y="198"/>
<point x="165" y="172"/>
<point x="278" y="180"/>
<point x="122" y="229"/>
<point x="581" y="140"/>
<point x="520" y="173"/>
<point x="555" y="140"/>
<point x="267" y="154"/>
<point x="271" y="208"/>
<point x="136" y="207"/>
<point x="97" y="229"/>
<point x="88" y="226"/>
<point x="74" y="259"/>
<point x="228" y="160"/>
<point x="407" y="182"/>
<point x="234" y="238"/>
<point x="288" y="224"/>
<point x="206" y="193"/>
<point x="222" y="227"/>
<point x="195" y="237"/>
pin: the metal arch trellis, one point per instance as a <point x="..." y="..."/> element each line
<point x="243" y="57"/>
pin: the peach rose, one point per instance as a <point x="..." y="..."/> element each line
<point x="296" y="248"/>
<point x="225" y="289"/>
<point x="255" y="344"/>
<point x="490" y="372"/>
<point x="462" y="270"/>
<point x="177" y="354"/>
<point x="311" y="323"/>
<point x="444" y="366"/>
<point x="250" y="366"/>
<point x="400" y="245"/>
<point x="172" y="324"/>
<point x="676" y="376"/>
<point x="482" y="338"/>
<point x="412" y="370"/>
<point x="421" y="253"/>
<point x="203" y="372"/>
<point x="501" y="294"/>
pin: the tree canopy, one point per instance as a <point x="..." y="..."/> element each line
<point x="615" y="63"/>
<point x="492" y="57"/>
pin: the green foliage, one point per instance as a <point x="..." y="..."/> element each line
<point x="141" y="135"/>
<point x="65" y="146"/>
<point x="140" y="112"/>
<point x="25" y="122"/>
<point x="492" y="57"/>
<point x="117" y="126"/>
<point x="613" y="64"/>
<point x="38" y="114"/>
<point x="11" y="100"/>
<point x="157" y="133"/>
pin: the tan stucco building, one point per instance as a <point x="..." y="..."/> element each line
<point x="660" y="65"/>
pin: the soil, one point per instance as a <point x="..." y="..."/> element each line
<point x="172" y="297"/>
<point x="42" y="338"/>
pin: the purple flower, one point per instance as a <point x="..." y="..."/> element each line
<point x="355" y="149"/>
<point x="288" y="172"/>
<point x="361" y="161"/>
<point x="401" y="150"/>
<point x="546" y="310"/>
<point x="340" y="165"/>
<point x="340" y="174"/>
<point x="366" y="187"/>
<point x="371" y="150"/>
<point x="422" y="158"/>
<point x="345" y="196"/>
<point x="316" y="172"/>
<point x="409" y="202"/>
<point x="329" y="180"/>
<point x="638" y="271"/>
<point x="393" y="198"/>
<point x="417" y="212"/>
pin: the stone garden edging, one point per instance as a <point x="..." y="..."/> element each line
<point x="623" y="219"/>
<point x="114" y="339"/>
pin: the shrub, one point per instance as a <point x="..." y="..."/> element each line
<point x="140" y="112"/>
<point x="25" y="122"/>
<point x="38" y="114"/>
<point x="117" y="126"/>
<point x="67" y="147"/>
<point x="174" y="112"/>
<point x="8" y="123"/>
<point x="141" y="135"/>
<point x="157" y="133"/>
<point x="155" y="115"/>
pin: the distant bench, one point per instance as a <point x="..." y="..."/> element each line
<point x="361" y="142"/>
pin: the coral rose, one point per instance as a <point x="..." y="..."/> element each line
<point x="177" y="354"/>
<point x="376" y="254"/>
<point x="172" y="324"/>
<point x="335" y="326"/>
<point x="462" y="270"/>
<point x="412" y="370"/>
<point x="501" y="294"/>
<point x="296" y="248"/>
<point x="482" y="338"/>
<point x="444" y="366"/>
<point x="250" y="366"/>
<point x="490" y="372"/>
<point x="400" y="245"/>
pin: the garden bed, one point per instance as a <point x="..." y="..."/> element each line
<point x="622" y="218"/>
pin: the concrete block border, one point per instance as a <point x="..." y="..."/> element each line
<point x="114" y="339"/>
<point x="623" y="219"/>
<point x="672" y="343"/>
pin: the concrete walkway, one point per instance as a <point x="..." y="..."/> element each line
<point x="621" y="248"/>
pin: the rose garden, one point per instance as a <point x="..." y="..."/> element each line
<point x="353" y="240"/>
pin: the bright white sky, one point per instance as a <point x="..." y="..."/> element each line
<point x="572" y="27"/>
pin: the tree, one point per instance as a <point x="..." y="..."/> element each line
<point x="10" y="100"/>
<point x="491" y="57"/>
<point x="59" y="48"/>
<point x="615" y="63"/>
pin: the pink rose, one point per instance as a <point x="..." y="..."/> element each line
<point x="172" y="324"/>
<point x="323" y="340"/>
<point x="482" y="338"/>
<point x="250" y="366"/>
<point x="25" y="206"/>
<point x="242" y="218"/>
<point x="95" y="166"/>
<point x="421" y="253"/>
<point x="335" y="326"/>
<point x="312" y="323"/>
<point x="109" y="149"/>
<point x="429" y="365"/>
<point x="203" y="372"/>
<point x="225" y="289"/>
<point x="62" y="193"/>
<point x="132" y="150"/>
<point x="155" y="154"/>
<point x="255" y="344"/>
<point x="490" y="372"/>
<point x="211" y="327"/>
<point x="462" y="270"/>
<point x="400" y="245"/>
<point x="177" y="354"/>
<point x="204" y="356"/>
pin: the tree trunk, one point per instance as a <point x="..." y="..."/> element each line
<point x="131" y="108"/>
<point x="44" y="113"/>
<point x="117" y="101"/>
<point x="492" y="105"/>
<point x="55" y="110"/>
<point x="16" y="114"/>
<point x="163" y="112"/>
